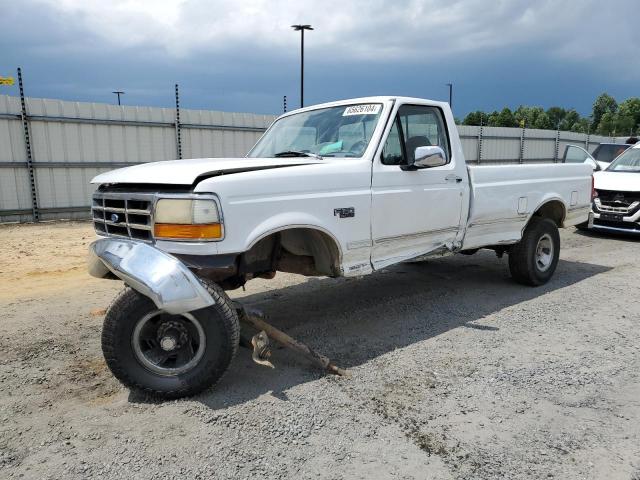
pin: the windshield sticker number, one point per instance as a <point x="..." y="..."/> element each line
<point x="365" y="109"/>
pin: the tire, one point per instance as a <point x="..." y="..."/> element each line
<point x="529" y="264"/>
<point x="202" y="343"/>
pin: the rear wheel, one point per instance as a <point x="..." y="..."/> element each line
<point x="169" y="356"/>
<point x="534" y="259"/>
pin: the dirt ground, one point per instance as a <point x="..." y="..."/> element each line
<point x="456" y="373"/>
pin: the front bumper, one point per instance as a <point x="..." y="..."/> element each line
<point x="626" y="225"/>
<point x="155" y="274"/>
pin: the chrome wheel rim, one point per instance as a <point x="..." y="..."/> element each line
<point x="168" y="345"/>
<point x="544" y="253"/>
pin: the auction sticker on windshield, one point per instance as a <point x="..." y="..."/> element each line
<point x="365" y="109"/>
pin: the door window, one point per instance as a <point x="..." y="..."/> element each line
<point x="392" y="153"/>
<point x="574" y="154"/>
<point x="415" y="126"/>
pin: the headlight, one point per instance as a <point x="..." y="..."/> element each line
<point x="190" y="219"/>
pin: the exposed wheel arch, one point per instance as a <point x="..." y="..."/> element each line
<point x="295" y="226"/>
<point x="304" y="249"/>
<point x="554" y="210"/>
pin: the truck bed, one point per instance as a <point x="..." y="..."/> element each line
<point x="504" y="197"/>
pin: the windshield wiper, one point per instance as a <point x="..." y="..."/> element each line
<point x="296" y="153"/>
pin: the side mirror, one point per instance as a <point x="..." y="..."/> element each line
<point x="429" y="156"/>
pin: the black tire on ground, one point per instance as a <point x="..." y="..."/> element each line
<point x="193" y="369"/>
<point x="533" y="260"/>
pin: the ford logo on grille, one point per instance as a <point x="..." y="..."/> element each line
<point x="115" y="218"/>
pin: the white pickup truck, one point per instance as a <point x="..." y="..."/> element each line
<point x="339" y="189"/>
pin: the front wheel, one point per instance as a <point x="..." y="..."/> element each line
<point x="534" y="259"/>
<point x="169" y="356"/>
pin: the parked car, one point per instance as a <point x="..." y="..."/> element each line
<point x="616" y="206"/>
<point x="577" y="154"/>
<point x="605" y="153"/>
<point x="340" y="189"/>
<point x="599" y="159"/>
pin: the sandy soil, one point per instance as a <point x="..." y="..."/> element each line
<point x="456" y="372"/>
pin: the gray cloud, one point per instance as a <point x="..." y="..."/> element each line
<point x="370" y="29"/>
<point x="243" y="55"/>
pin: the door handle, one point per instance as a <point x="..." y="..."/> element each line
<point x="453" y="178"/>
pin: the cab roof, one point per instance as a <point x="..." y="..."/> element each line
<point x="376" y="99"/>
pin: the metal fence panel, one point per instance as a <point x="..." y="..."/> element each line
<point x="500" y="145"/>
<point x="539" y="146"/>
<point x="469" y="138"/>
<point x="74" y="141"/>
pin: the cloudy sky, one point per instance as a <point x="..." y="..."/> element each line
<point x="242" y="55"/>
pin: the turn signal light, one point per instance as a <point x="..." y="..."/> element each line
<point x="194" y="232"/>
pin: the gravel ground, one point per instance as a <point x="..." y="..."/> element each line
<point x="456" y="373"/>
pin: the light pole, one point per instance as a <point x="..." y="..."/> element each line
<point x="450" y="85"/>
<point x="118" y="93"/>
<point x="301" y="28"/>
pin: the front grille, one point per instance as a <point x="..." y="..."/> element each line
<point x="626" y="203"/>
<point x="123" y="215"/>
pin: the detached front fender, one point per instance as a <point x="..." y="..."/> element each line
<point x="158" y="275"/>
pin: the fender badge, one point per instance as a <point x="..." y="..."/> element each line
<point x="344" y="212"/>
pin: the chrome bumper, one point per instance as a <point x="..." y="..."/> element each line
<point x="606" y="228"/>
<point x="592" y="225"/>
<point x="159" y="276"/>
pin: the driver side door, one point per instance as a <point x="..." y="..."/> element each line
<point x="414" y="211"/>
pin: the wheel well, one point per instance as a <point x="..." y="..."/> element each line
<point x="304" y="250"/>
<point x="553" y="210"/>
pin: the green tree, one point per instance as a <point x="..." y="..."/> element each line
<point x="571" y="117"/>
<point x="503" y="118"/>
<point x="581" y="125"/>
<point x="556" y="115"/>
<point x="492" y="119"/>
<point x="631" y="108"/>
<point x="543" y="121"/>
<point x="608" y="117"/>
<point x="474" y="118"/>
<point x="533" y="117"/>
<point x="506" y="118"/>
<point x="605" y="103"/>
<point x="616" y="124"/>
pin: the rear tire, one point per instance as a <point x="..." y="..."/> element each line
<point x="169" y="356"/>
<point x="534" y="259"/>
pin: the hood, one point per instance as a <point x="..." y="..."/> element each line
<point x="617" y="181"/>
<point x="185" y="172"/>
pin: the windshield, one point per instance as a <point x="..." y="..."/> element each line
<point x="343" y="131"/>
<point x="629" y="161"/>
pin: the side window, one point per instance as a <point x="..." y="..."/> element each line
<point x="573" y="154"/>
<point x="392" y="151"/>
<point x="423" y="126"/>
